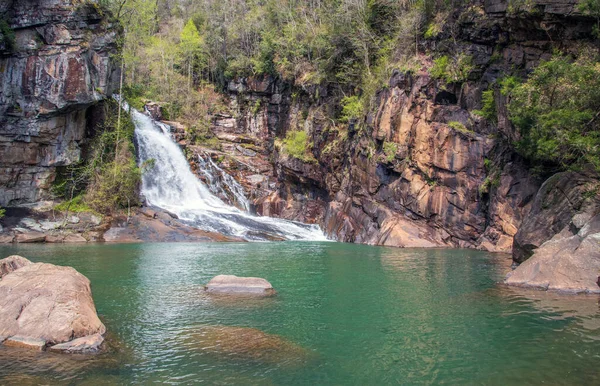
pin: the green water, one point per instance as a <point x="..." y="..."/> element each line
<point x="365" y="316"/>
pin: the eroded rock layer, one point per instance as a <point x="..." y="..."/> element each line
<point x="422" y="170"/>
<point x="54" y="71"/>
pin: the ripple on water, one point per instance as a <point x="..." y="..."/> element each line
<point x="344" y="314"/>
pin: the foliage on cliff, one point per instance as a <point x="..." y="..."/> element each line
<point x="109" y="179"/>
<point x="557" y="112"/>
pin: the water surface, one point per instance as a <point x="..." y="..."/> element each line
<point x="364" y="315"/>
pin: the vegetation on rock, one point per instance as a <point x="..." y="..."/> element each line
<point x="556" y="111"/>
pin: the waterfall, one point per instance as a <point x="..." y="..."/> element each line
<point x="222" y="183"/>
<point x="168" y="183"/>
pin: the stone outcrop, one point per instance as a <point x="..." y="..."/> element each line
<point x="559" y="242"/>
<point x="423" y="170"/>
<point x="234" y="285"/>
<point x="53" y="75"/>
<point x="12" y="263"/>
<point x="46" y="303"/>
<point x="567" y="262"/>
<point x="565" y="199"/>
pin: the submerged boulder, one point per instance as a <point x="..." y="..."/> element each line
<point x="567" y="262"/>
<point x="49" y="303"/>
<point x="12" y="263"/>
<point x="247" y="344"/>
<point x="231" y="284"/>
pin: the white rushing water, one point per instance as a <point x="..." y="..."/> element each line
<point x="222" y="183"/>
<point x="168" y="183"/>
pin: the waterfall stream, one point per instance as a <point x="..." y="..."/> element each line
<point x="168" y="183"/>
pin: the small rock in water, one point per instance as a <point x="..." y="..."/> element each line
<point x="25" y="342"/>
<point x="231" y="284"/>
<point x="12" y="263"/>
<point x="87" y="344"/>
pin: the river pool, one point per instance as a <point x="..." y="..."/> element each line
<point x="358" y="315"/>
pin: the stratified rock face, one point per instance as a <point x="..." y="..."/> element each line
<point x="60" y="66"/>
<point x="49" y="303"/>
<point x="231" y="284"/>
<point x="12" y="263"/>
<point x="423" y="170"/>
<point x="566" y="262"/>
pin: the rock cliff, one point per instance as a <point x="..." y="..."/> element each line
<point x="423" y="170"/>
<point x="55" y="66"/>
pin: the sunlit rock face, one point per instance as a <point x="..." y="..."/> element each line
<point x="57" y="68"/>
<point x="423" y="170"/>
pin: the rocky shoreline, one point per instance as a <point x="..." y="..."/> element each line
<point x="142" y="225"/>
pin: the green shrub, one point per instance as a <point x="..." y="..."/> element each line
<point x="352" y="108"/>
<point x="389" y="150"/>
<point x="2" y="212"/>
<point x="75" y="205"/>
<point x="556" y="113"/>
<point x="459" y="127"/>
<point x="440" y="67"/>
<point x="7" y="35"/>
<point x="296" y="144"/>
<point x="452" y="70"/>
<point x="488" y="108"/>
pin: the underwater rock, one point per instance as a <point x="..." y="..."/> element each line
<point x="247" y="344"/>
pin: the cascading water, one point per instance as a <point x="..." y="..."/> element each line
<point x="222" y="183"/>
<point x="168" y="183"/>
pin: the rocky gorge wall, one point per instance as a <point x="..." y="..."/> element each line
<point x="423" y="170"/>
<point x="55" y="70"/>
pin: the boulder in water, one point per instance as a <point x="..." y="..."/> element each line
<point x="247" y="344"/>
<point x="567" y="262"/>
<point x="12" y="263"/>
<point x="87" y="344"/>
<point x="231" y="284"/>
<point x="45" y="302"/>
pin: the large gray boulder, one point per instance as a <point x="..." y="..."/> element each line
<point x="49" y="303"/>
<point x="561" y="197"/>
<point x="12" y="263"/>
<point x="567" y="262"/>
<point x="231" y="284"/>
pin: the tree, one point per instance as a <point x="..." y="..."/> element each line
<point x="190" y="47"/>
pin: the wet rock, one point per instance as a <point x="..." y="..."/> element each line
<point x="231" y="284"/>
<point x="25" y="342"/>
<point x="6" y="239"/>
<point x="47" y="302"/>
<point x="30" y="237"/>
<point x="52" y="239"/>
<point x="247" y="344"/>
<point x="86" y="344"/>
<point x="567" y="262"/>
<point x="12" y="263"/>
<point x="74" y="238"/>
